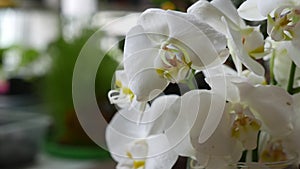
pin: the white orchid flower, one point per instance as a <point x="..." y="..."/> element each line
<point x="155" y="139"/>
<point x="182" y="125"/>
<point x="252" y="109"/>
<point x="260" y="100"/>
<point x="245" y="46"/>
<point x="132" y="145"/>
<point x="164" y="46"/>
<point x="122" y="95"/>
<point x="283" y="17"/>
<point x="212" y="13"/>
<point x="285" y="25"/>
<point x="292" y="141"/>
<point x="245" y="43"/>
<point x="212" y="153"/>
<point x="227" y="71"/>
<point x="284" y="53"/>
<point x="257" y="102"/>
<point x="219" y="80"/>
<point x="257" y="10"/>
<point x="283" y="148"/>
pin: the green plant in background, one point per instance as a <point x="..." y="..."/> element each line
<point x="24" y="56"/>
<point x="58" y="88"/>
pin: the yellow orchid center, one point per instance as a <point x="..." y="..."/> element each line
<point x="248" y="37"/>
<point x="137" y="153"/>
<point x="245" y="129"/>
<point x="137" y="164"/>
<point x="125" y="90"/>
<point x="174" y="61"/>
<point x="283" y="24"/>
<point x="274" y="151"/>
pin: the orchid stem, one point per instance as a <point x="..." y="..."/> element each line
<point x="244" y="155"/>
<point x="255" y="154"/>
<point x="290" y="88"/>
<point x="190" y="82"/>
<point x="272" y="77"/>
<point x="296" y="90"/>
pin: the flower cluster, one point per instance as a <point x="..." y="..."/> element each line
<point x="242" y="113"/>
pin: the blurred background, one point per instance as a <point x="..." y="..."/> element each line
<point x="40" y="41"/>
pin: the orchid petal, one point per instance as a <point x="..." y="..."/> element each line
<point x="160" y="154"/>
<point x="213" y="118"/>
<point x="164" y="111"/>
<point x="296" y="98"/>
<point x="122" y="77"/>
<point x="296" y="36"/>
<point x="147" y="84"/>
<point x="209" y="116"/>
<point x="212" y="13"/>
<point x="121" y="123"/>
<point x="272" y="104"/>
<point x="229" y="10"/>
<point x="284" y="52"/>
<point x="136" y="40"/>
<point x="191" y="34"/>
<point x="179" y="131"/>
<point x="220" y="71"/>
<point x="265" y="7"/>
<point x="253" y="78"/>
<point x="121" y="131"/>
<point x="223" y="86"/>
<point x="203" y="108"/>
<point x="276" y="32"/>
<point x="140" y="60"/>
<point x="138" y="149"/>
<point x="154" y="24"/>
<point x="254" y="41"/>
<point x="222" y="136"/>
<point x="208" y="13"/>
<point x="292" y="141"/>
<point x="293" y="52"/>
<point x="185" y="148"/>
<point x="235" y="40"/>
<point x="281" y="66"/>
<point x="221" y="162"/>
<point x="249" y="11"/>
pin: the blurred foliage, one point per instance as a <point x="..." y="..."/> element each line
<point x="17" y="82"/>
<point x="26" y="55"/>
<point x="58" y="86"/>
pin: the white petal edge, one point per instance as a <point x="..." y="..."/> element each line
<point x="272" y="104"/>
<point x="249" y="11"/>
<point x="147" y="84"/>
<point x="136" y="40"/>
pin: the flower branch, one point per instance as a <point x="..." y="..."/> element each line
<point x="239" y="117"/>
<point x="290" y="85"/>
